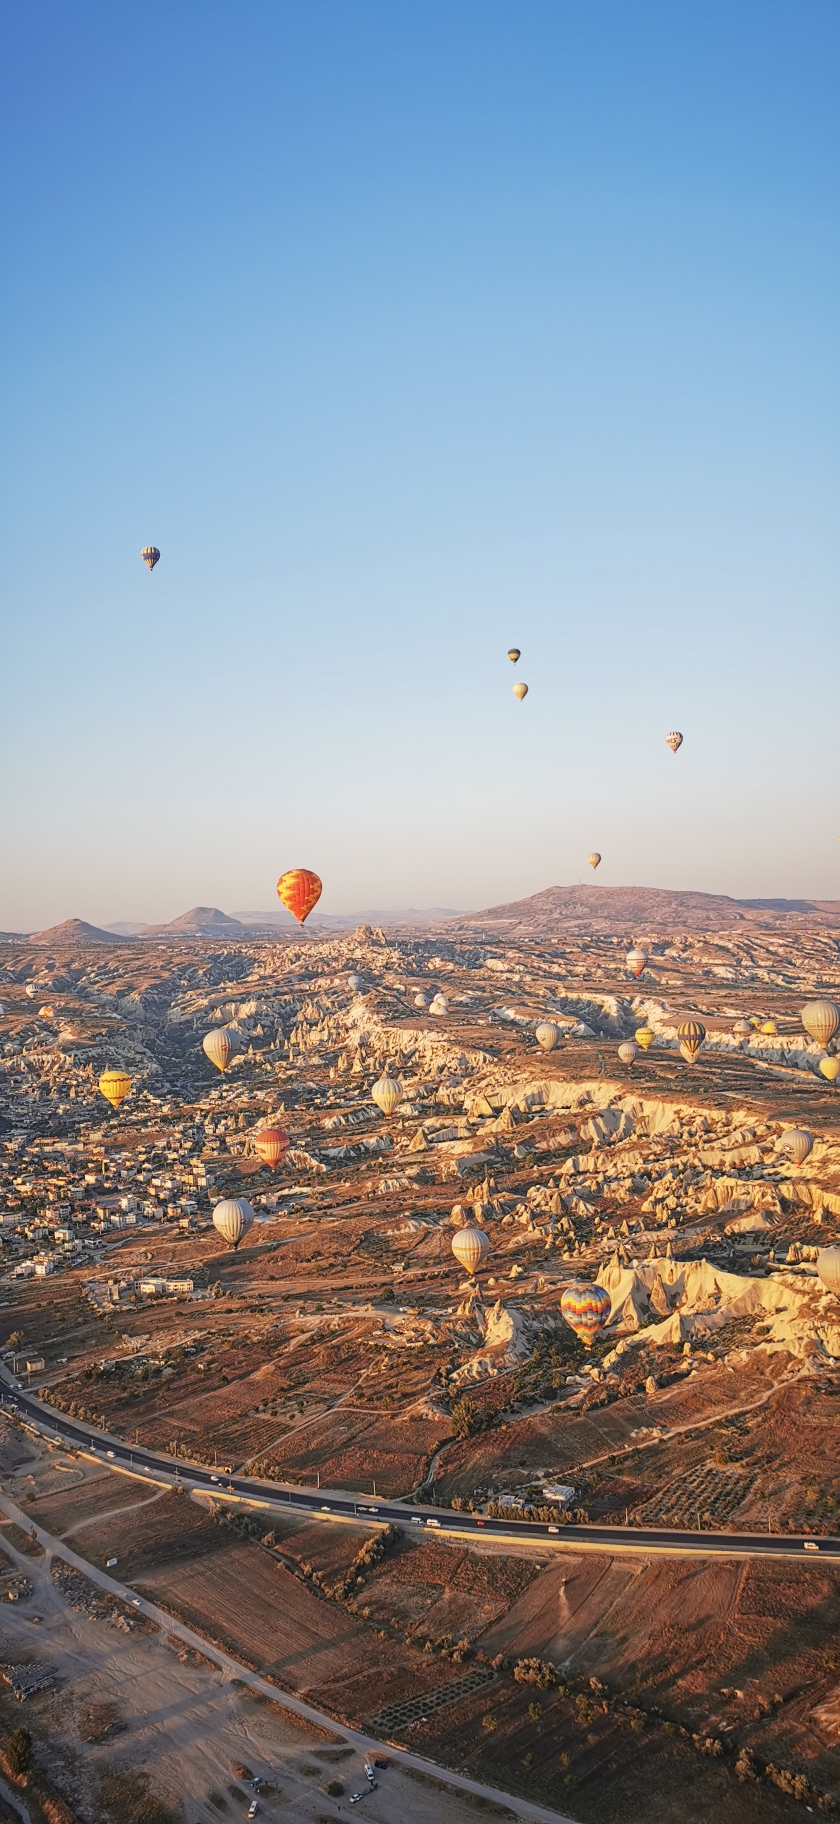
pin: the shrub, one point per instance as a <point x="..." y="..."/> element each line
<point x="335" y="1789"/>
<point x="19" y="1751"/>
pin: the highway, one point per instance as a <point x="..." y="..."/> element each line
<point x="343" y="1506"/>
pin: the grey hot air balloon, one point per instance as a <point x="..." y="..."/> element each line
<point x="797" y="1144"/>
<point x="220" y="1046"/>
<point x="548" y="1035"/>
<point x="233" y="1218"/>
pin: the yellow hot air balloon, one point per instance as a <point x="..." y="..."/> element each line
<point x="691" y="1035"/>
<point x="644" y="1037"/>
<point x="830" y="1068"/>
<point x="151" y="556"/>
<point x="386" y="1093"/>
<point x="115" y="1086"/>
<point x="514" y="654"/>
<point x="828" y="1268"/>
<point x="221" y="1046"/>
<point x="520" y="691"/>
<point x="820" y="1020"/>
<point x="770" y="1029"/>
<point x="593" y="859"/>
<point x="469" y="1246"/>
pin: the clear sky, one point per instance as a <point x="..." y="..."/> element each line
<point x="408" y="333"/>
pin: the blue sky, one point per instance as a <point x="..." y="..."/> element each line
<point x="409" y="333"/>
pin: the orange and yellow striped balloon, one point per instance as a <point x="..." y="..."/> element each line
<point x="299" y="891"/>
<point x="115" y="1086"/>
<point x="586" y="1309"/>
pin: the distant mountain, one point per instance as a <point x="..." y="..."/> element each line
<point x="128" y="929"/>
<point x="408" y="916"/>
<point x="75" y="931"/>
<point x="201" y="921"/>
<point x="632" y="911"/>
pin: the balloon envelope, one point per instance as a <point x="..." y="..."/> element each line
<point x="548" y="1035"/>
<point x="220" y="1046"/>
<point x="115" y="1086"/>
<point x="469" y="1246"/>
<point x="354" y="983"/>
<point x="797" y="1144"/>
<point x="593" y="859"/>
<point x="150" y="555"/>
<point x="742" y="1029"/>
<point x="299" y="890"/>
<point x="674" y="740"/>
<point x="520" y="691"/>
<point x="514" y="654"/>
<point x="828" y="1268"/>
<point x="645" y="1037"/>
<point x="635" y="961"/>
<point x="691" y="1035"/>
<point x="627" y="1052"/>
<point x="830" y="1068"/>
<point x="386" y="1093"/>
<point x="233" y="1218"/>
<point x="586" y="1310"/>
<point x="820" y="1020"/>
<point x="272" y="1144"/>
<point x="421" y="1000"/>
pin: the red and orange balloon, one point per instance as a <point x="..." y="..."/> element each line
<point x="299" y="891"/>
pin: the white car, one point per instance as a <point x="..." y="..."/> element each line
<point x="252" y="1809"/>
<point x="109" y="1453"/>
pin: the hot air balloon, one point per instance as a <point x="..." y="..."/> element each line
<point x="150" y="555"/>
<point x="469" y="1246"/>
<point x="797" y="1144"/>
<point x="514" y="654"/>
<point x="593" y="859"/>
<point x="520" y="691"/>
<point x="46" y="1013"/>
<point x="820" y="1020"/>
<point x="769" y="1028"/>
<point x="691" y="1035"/>
<point x="586" y="1309"/>
<point x="354" y="983"/>
<point x="31" y="990"/>
<point x="421" y="1000"/>
<point x="635" y="961"/>
<point x="439" y="1005"/>
<point x="386" y="1093"/>
<point x="828" y="1268"/>
<point x="299" y="891"/>
<point x="742" y="1029"/>
<point x="272" y="1144"/>
<point x="115" y="1086"/>
<point x="220" y="1046"/>
<point x="644" y="1037"/>
<point x="627" y="1052"/>
<point x="830" y="1068"/>
<point x="548" y="1035"/>
<point x="233" y="1218"/>
<point x="674" y="740"/>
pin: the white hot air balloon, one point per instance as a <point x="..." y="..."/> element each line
<point x="386" y="1093"/>
<point x="797" y="1144"/>
<point x="520" y="691"/>
<point x="233" y="1218"/>
<point x="742" y="1029"/>
<point x="220" y="1046"/>
<point x="820" y="1020"/>
<point x="828" y="1268"/>
<point x="421" y="999"/>
<point x="548" y="1035"/>
<point x="635" y="961"/>
<point x="354" y="983"/>
<point x="627" y="1052"/>
<point x="440" y="1005"/>
<point x="469" y="1246"/>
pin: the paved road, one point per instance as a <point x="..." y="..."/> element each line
<point x="367" y="1744"/>
<point x="343" y="1506"/>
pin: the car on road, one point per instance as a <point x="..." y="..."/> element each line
<point x="252" y="1809"/>
<point x="355" y="1797"/>
<point x="433" y="1523"/>
<point x="136" y="1601"/>
<point x="810" y="1545"/>
<point x="109" y="1453"/>
<point x="417" y="1520"/>
<point x="214" y="1478"/>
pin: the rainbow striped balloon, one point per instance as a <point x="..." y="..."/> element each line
<point x="586" y="1309"/>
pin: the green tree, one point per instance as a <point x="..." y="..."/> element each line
<point x="19" y="1751"/>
